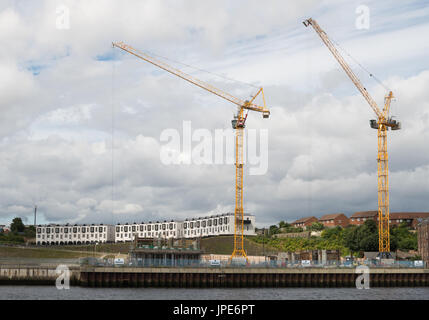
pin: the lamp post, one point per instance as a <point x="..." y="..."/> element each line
<point x="263" y="244"/>
<point x="95" y="248"/>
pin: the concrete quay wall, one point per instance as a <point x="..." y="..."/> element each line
<point x="212" y="277"/>
<point x="247" y="277"/>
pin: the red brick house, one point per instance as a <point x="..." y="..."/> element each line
<point x="358" y="218"/>
<point x="334" y="219"/>
<point x="397" y="218"/>
<point x="304" y="222"/>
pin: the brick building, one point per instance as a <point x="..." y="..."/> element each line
<point x="304" y="222"/>
<point x="411" y="218"/>
<point x="334" y="219"/>
<point x="359" y="218"/>
<point x="396" y="218"/>
<point x="423" y="240"/>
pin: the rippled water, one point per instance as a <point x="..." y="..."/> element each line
<point x="79" y="293"/>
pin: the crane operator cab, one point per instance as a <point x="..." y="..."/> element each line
<point x="393" y="124"/>
<point x="236" y="123"/>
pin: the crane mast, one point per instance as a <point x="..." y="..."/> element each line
<point x="238" y="123"/>
<point x="382" y="124"/>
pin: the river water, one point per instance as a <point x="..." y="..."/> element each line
<point x="80" y="293"/>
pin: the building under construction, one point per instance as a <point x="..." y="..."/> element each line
<point x="165" y="252"/>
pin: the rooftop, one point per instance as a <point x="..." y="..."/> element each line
<point x="331" y="216"/>
<point x="304" y="220"/>
<point x="364" y="214"/>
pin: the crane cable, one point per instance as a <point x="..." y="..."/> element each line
<point x="360" y="65"/>
<point x="198" y="69"/>
<point x="392" y="108"/>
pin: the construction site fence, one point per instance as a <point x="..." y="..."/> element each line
<point x="242" y="263"/>
<point x="190" y="263"/>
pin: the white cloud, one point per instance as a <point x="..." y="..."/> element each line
<point x="61" y="107"/>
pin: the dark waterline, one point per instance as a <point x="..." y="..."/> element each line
<point x="80" y="293"/>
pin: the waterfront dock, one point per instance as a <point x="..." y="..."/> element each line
<point x="248" y="277"/>
<point x="198" y="277"/>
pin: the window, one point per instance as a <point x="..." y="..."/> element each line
<point x="171" y="226"/>
<point x="204" y="224"/>
<point x="209" y="223"/>
<point x="133" y="228"/>
<point x="149" y="227"/>
<point x="118" y="229"/>
<point x="74" y="230"/>
<point x="215" y="222"/>
<point x="57" y="230"/>
<point x="39" y="230"/>
<point x="156" y="227"/>
<point x="66" y="230"/>
<point x="192" y="225"/>
<point x="92" y="229"/>
<point x="225" y="220"/>
<point x="220" y="221"/>
<point x="185" y="225"/>
<point x="163" y="226"/>
<point x="83" y="230"/>
<point x="141" y="228"/>
<point x="125" y="229"/>
<point x="198" y="224"/>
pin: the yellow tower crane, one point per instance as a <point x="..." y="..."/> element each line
<point x="238" y="123"/>
<point x="382" y="124"/>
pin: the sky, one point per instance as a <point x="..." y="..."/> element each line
<point x="81" y="124"/>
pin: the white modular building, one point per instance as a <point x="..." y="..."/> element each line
<point x="128" y="232"/>
<point x="54" y="234"/>
<point x="215" y="225"/>
<point x="222" y="224"/>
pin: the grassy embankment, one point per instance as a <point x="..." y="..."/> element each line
<point x="40" y="253"/>
<point x="214" y="245"/>
<point x="225" y="245"/>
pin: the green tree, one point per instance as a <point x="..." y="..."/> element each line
<point x="30" y="232"/>
<point x="332" y="233"/>
<point x="351" y="239"/>
<point x="17" y="225"/>
<point x="273" y="229"/>
<point x="368" y="236"/>
<point x="283" y="224"/>
<point x="316" y="226"/>
<point x="402" y="238"/>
